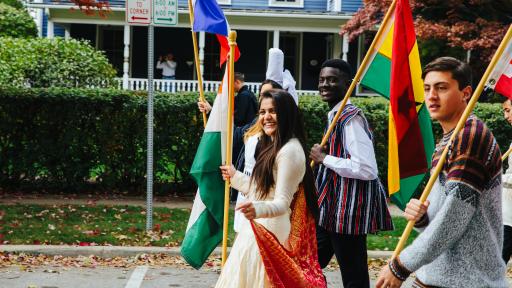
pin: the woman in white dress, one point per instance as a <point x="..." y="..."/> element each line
<point x="247" y="136"/>
<point x="280" y="168"/>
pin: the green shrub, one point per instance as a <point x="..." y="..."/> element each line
<point x="16" y="22"/>
<point x="70" y="139"/>
<point x="43" y="62"/>
<point x="13" y="3"/>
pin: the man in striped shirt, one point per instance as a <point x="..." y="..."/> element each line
<point x="461" y="222"/>
<point x="351" y="199"/>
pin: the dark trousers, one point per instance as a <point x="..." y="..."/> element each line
<point x="350" y="251"/>
<point x="507" y="243"/>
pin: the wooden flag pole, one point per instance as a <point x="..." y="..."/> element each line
<point x="229" y="140"/>
<point x="359" y="74"/>
<point x="196" y="58"/>
<point x="460" y="125"/>
<point x="506" y="154"/>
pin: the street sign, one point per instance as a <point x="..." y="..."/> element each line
<point x="138" y="12"/>
<point x="165" y="12"/>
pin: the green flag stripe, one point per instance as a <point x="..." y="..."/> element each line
<point x="426" y="133"/>
<point x="205" y="170"/>
<point x="378" y="75"/>
<point x="200" y="240"/>
<point x="408" y="188"/>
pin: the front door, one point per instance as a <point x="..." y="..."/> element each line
<point x="289" y="43"/>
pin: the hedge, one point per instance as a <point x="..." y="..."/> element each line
<point x="77" y="139"/>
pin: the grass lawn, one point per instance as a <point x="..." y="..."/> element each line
<point x="117" y="225"/>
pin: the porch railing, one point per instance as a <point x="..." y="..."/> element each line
<point x="190" y="86"/>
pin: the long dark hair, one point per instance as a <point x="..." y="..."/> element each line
<point x="290" y="124"/>
<point x="255" y="129"/>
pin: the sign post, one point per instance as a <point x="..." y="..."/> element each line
<point x="149" y="189"/>
<point x="163" y="13"/>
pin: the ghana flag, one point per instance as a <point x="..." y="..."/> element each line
<point x="394" y="71"/>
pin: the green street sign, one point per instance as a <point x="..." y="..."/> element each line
<point x="165" y="12"/>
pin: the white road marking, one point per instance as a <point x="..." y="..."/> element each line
<point x="137" y="277"/>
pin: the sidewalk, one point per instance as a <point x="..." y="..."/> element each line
<point x="119" y="251"/>
<point x="41" y="199"/>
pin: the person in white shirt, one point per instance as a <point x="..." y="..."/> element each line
<point x="507" y="193"/>
<point x="168" y="66"/>
<point x="351" y="199"/>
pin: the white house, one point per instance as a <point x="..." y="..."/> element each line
<point x="306" y="30"/>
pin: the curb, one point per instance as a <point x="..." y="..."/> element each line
<point x="121" y="251"/>
<point x="129" y="251"/>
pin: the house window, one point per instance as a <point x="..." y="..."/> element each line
<point x="286" y="3"/>
<point x="334" y="5"/>
<point x="364" y="42"/>
<point x="111" y="41"/>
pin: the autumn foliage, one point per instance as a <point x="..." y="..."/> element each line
<point x="90" y="7"/>
<point x="477" y="25"/>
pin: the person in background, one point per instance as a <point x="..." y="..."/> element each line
<point x="168" y="66"/>
<point x="507" y="193"/>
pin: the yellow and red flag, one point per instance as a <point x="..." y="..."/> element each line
<point x="395" y="73"/>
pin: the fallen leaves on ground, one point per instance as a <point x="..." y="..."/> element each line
<point x="27" y="262"/>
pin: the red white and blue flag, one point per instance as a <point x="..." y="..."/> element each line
<point x="501" y="78"/>
<point x="209" y="17"/>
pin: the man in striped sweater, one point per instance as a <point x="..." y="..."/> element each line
<point x="351" y="199"/>
<point x="461" y="222"/>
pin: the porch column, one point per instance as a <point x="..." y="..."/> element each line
<point x="201" y="52"/>
<point x="276" y="39"/>
<point x="336" y="46"/>
<point x="67" y="34"/>
<point x="345" y="47"/>
<point x="126" y="56"/>
<point x="49" y="27"/>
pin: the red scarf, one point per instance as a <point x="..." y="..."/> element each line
<point x="298" y="266"/>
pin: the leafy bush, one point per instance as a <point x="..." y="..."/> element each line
<point x="43" y="62"/>
<point x="16" y="22"/>
<point x="74" y="138"/>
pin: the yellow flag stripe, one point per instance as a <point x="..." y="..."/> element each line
<point x="393" y="166"/>
<point x="386" y="48"/>
<point x="417" y="82"/>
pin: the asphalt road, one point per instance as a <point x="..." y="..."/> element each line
<point x="138" y="277"/>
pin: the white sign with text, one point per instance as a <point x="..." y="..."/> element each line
<point x="165" y="12"/>
<point x="138" y="12"/>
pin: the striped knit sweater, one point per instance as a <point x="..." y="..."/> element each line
<point x="350" y="206"/>
<point x="460" y="245"/>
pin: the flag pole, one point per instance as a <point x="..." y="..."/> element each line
<point x="460" y="125"/>
<point x="229" y="140"/>
<point x="196" y="58"/>
<point x="506" y="154"/>
<point x="358" y="76"/>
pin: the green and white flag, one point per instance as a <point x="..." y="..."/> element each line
<point x="204" y="230"/>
